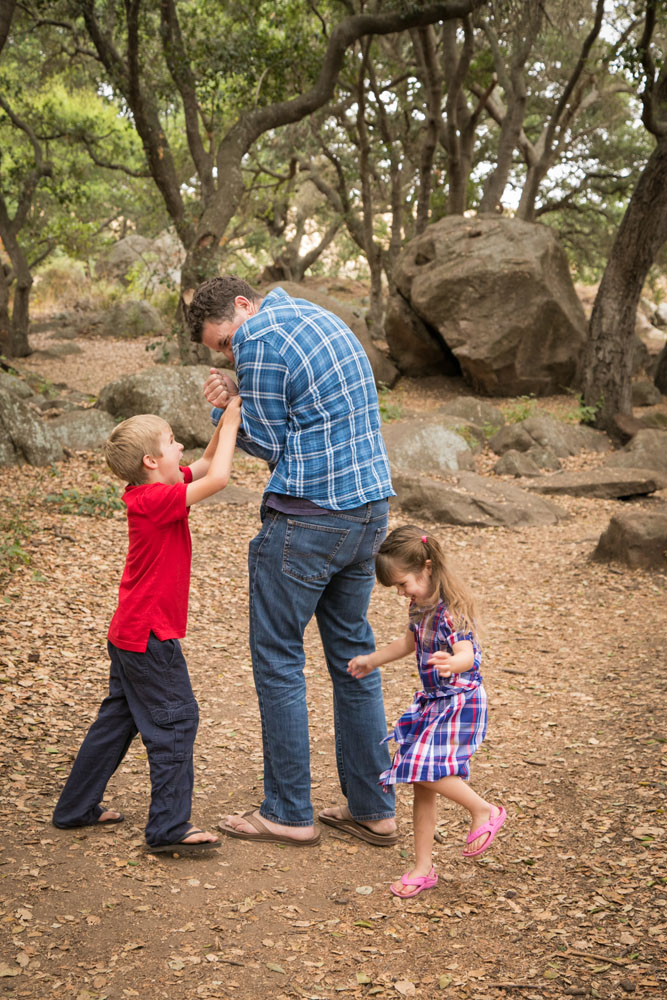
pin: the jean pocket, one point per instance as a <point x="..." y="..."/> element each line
<point x="310" y="549"/>
<point x="368" y="564"/>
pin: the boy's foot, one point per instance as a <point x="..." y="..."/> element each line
<point x="380" y="832"/>
<point x="194" y="839"/>
<point x="252" y="826"/>
<point x="110" y="816"/>
<point x="412" y="883"/>
<point x="485" y="826"/>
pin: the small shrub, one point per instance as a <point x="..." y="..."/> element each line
<point x="13" y="531"/>
<point x="520" y="409"/>
<point x="390" y="409"/>
<point x="101" y="502"/>
<point x="584" y="413"/>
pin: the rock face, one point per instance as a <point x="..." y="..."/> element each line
<point x="497" y="292"/>
<point x="546" y="432"/>
<point x="636" y="538"/>
<point x="605" y="483"/>
<point x="82" y="430"/>
<point x="646" y="450"/>
<point x="426" y="446"/>
<point x="119" y="259"/>
<point x="175" y="394"/>
<point x="131" y="318"/>
<point x="384" y="371"/>
<point x="24" y="437"/>
<point x="469" y="499"/>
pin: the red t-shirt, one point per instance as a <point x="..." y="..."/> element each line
<point x="154" y="589"/>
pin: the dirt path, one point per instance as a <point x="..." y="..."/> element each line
<point x="572" y="900"/>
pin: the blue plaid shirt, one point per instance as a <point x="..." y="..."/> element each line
<point x="310" y="406"/>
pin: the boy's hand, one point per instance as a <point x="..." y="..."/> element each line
<point x="232" y="415"/>
<point x="440" y="661"/>
<point x="359" y="666"/>
<point x="219" y="388"/>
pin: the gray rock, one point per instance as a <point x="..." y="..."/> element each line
<point x="660" y="315"/>
<point x="645" y="394"/>
<point x="132" y="318"/>
<point x="636" y="538"/>
<point x="15" y="385"/>
<point x="414" y="346"/>
<point x="605" y="483"/>
<point x="116" y="262"/>
<point x="477" y="411"/>
<point x="655" y="420"/>
<point x="423" y="446"/>
<point x="498" y="293"/>
<point x="469" y="499"/>
<point x="173" y="393"/>
<point x="24" y="436"/>
<point x="544" y="458"/>
<point x="646" y="450"/>
<point x="564" y="439"/>
<point x="82" y="430"/>
<point x="384" y="370"/>
<point x="58" y="351"/>
<point x="516" y="463"/>
<point x="512" y="437"/>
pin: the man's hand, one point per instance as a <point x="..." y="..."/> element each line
<point x="359" y="666"/>
<point x="219" y="388"/>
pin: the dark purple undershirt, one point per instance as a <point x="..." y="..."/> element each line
<point x="293" y="505"/>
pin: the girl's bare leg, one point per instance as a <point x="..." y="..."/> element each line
<point x="459" y="791"/>
<point x="424" y="808"/>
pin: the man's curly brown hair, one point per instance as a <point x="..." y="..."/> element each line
<point x="214" y="300"/>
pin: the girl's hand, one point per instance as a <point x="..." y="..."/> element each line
<point x="359" y="666"/>
<point x="440" y="661"/>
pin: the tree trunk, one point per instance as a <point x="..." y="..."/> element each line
<point x="606" y="369"/>
<point x="4" y="310"/>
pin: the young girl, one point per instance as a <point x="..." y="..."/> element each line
<point x="446" y="723"/>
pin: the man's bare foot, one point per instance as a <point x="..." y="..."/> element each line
<point x="201" y="837"/>
<point x="387" y="825"/>
<point x="241" y="825"/>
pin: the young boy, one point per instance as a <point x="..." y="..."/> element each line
<point x="149" y="686"/>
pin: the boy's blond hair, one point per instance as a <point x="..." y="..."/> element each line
<point x="127" y="444"/>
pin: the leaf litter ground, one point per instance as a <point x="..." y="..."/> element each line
<point x="570" y="901"/>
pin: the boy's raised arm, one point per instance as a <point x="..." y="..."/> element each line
<point x="211" y="472"/>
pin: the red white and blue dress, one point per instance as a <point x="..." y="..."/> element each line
<point x="446" y="722"/>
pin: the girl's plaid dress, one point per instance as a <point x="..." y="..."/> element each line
<point x="446" y="722"/>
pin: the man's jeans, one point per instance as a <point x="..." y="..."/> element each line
<point x="300" y="566"/>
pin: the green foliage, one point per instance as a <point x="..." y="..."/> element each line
<point x="390" y="407"/>
<point x="584" y="413"/>
<point x="13" y="532"/>
<point x="103" y="501"/>
<point x="519" y="409"/>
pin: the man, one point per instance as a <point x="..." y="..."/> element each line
<point x="310" y="410"/>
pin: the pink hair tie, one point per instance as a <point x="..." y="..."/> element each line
<point x="424" y="539"/>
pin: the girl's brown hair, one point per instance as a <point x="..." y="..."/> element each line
<point x="407" y="548"/>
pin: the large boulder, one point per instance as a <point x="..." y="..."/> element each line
<point x="646" y="450"/>
<point x="131" y="318"/>
<point x="82" y="430"/>
<point x="24" y="436"/>
<point x="173" y="393"/>
<point x="424" y="446"/>
<point x="545" y="431"/>
<point x="416" y="348"/>
<point x="660" y="374"/>
<point x="603" y="482"/>
<point x="118" y="260"/>
<point x="469" y="499"/>
<point x="498" y="293"/>
<point x="637" y="538"/>
<point x="384" y="371"/>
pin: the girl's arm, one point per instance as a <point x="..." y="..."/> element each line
<point x="362" y="665"/>
<point x="458" y="662"/>
<point x="216" y="476"/>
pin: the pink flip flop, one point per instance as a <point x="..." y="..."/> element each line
<point x="420" y="883"/>
<point x="490" y="828"/>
